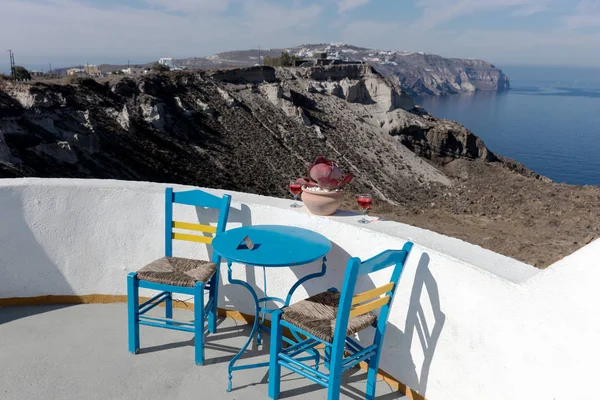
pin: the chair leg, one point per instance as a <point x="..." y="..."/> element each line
<point x="133" y="308"/>
<point x="199" y="322"/>
<point x="335" y="371"/>
<point x="334" y="386"/>
<point x="214" y="295"/>
<point x="169" y="307"/>
<point x="372" y="375"/>
<point x="274" y="367"/>
<point x="327" y="356"/>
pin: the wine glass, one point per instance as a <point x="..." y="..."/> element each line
<point x="365" y="202"/>
<point x="295" y="189"/>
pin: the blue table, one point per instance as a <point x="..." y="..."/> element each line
<point x="274" y="246"/>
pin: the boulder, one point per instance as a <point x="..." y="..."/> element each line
<point x="60" y="151"/>
<point x="303" y="117"/>
<point x="152" y="112"/>
<point x="231" y="102"/>
<point x="123" y="118"/>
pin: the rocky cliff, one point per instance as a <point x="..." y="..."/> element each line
<point x="247" y="129"/>
<point x="427" y="74"/>
<point x="418" y="74"/>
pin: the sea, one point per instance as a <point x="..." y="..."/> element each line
<point x="549" y="120"/>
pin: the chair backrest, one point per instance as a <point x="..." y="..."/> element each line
<point x="352" y="305"/>
<point x="196" y="198"/>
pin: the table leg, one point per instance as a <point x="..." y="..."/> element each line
<point x="319" y="274"/>
<point x="257" y="326"/>
<point x="254" y="326"/>
<point x="262" y="320"/>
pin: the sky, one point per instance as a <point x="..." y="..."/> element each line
<point x="503" y="32"/>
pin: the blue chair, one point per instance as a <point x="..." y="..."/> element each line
<point x="180" y="275"/>
<point x="328" y="319"/>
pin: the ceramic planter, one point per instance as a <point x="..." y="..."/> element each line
<point x="322" y="203"/>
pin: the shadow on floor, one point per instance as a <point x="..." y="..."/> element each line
<point x="8" y="314"/>
<point x="164" y="369"/>
<point x="218" y="343"/>
<point x="214" y="342"/>
<point x="351" y="376"/>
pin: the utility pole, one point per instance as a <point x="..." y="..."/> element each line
<point x="13" y="71"/>
<point x="259" y="63"/>
<point x="50" y="69"/>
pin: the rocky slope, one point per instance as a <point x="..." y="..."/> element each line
<point x="254" y="129"/>
<point x="417" y="73"/>
<point x="245" y="129"/>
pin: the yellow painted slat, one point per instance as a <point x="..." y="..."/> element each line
<point x="365" y="308"/>
<point x="362" y="297"/>
<point x="194" y="227"/>
<point x="192" y="238"/>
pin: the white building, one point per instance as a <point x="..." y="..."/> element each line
<point x="134" y="71"/>
<point x="167" y="61"/>
<point x="76" y="72"/>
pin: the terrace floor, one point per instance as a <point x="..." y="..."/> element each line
<point x="80" y="352"/>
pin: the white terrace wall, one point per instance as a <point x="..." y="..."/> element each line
<point x="456" y="331"/>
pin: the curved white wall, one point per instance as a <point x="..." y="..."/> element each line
<point x="467" y="323"/>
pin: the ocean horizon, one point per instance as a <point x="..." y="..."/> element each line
<point x="549" y="120"/>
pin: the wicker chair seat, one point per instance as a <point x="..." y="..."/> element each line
<point x="317" y="314"/>
<point x="177" y="271"/>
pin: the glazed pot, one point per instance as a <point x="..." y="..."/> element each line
<point x="322" y="203"/>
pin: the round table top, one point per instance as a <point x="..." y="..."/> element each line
<point x="275" y="245"/>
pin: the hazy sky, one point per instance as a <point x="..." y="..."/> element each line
<point x="64" y="32"/>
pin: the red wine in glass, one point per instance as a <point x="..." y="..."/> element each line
<point x="295" y="190"/>
<point x="365" y="201"/>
